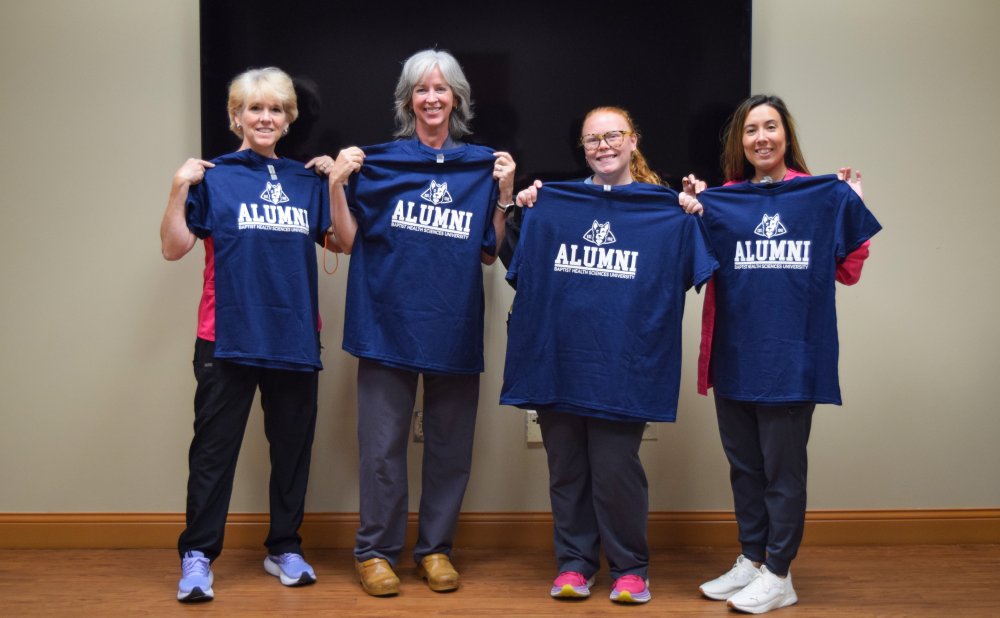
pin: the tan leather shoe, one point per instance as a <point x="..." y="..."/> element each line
<point x="377" y="577"/>
<point x="441" y="576"/>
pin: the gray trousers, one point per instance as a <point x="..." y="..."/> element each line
<point x="768" y="462"/>
<point x="386" y="397"/>
<point x="599" y="494"/>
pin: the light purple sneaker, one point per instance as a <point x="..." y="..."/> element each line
<point x="291" y="569"/>
<point x="196" y="578"/>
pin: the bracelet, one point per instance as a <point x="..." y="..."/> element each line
<point x="504" y="207"/>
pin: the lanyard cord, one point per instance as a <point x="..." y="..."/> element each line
<point x="336" y="265"/>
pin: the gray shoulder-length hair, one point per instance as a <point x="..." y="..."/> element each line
<point x="414" y="69"/>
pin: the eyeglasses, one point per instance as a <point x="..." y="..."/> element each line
<point x="615" y="139"/>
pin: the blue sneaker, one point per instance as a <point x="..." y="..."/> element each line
<point x="291" y="569"/>
<point x="196" y="578"/>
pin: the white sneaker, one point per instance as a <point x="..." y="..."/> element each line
<point x="767" y="591"/>
<point x="728" y="584"/>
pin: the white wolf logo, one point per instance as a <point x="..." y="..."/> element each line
<point x="600" y="233"/>
<point x="770" y="227"/>
<point x="437" y="193"/>
<point x="274" y="194"/>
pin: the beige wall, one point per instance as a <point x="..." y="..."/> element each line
<point x="100" y="103"/>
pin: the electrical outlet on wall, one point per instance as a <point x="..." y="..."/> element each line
<point x="418" y="425"/>
<point x="532" y="430"/>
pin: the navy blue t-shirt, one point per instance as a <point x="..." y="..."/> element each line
<point x="601" y="274"/>
<point x="778" y="244"/>
<point x="415" y="288"/>
<point x="265" y="217"/>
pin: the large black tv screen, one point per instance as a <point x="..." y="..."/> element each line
<point x="535" y="67"/>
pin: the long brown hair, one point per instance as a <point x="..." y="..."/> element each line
<point x="637" y="166"/>
<point x="735" y="166"/>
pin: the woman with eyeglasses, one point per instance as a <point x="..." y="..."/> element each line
<point x="601" y="269"/>
<point x="769" y="334"/>
<point x="419" y="217"/>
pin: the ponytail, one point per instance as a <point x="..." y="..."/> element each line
<point x="640" y="169"/>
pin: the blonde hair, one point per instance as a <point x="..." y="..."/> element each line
<point x="638" y="166"/>
<point x="269" y="82"/>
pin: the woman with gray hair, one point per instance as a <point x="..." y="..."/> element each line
<point x="419" y="216"/>
<point x="423" y="65"/>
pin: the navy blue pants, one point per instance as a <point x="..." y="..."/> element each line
<point x="599" y="494"/>
<point x="768" y="464"/>
<point x="386" y="396"/>
<point x="222" y="404"/>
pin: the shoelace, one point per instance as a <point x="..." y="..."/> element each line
<point x="632" y="578"/>
<point x="760" y="584"/>
<point x="731" y="573"/>
<point x="286" y="558"/>
<point x="578" y="579"/>
<point x="737" y="567"/>
<point x="195" y="565"/>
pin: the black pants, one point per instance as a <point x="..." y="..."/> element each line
<point x="766" y="448"/>
<point x="221" y="407"/>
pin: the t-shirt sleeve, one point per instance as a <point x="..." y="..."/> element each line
<point x="199" y="219"/>
<point x="849" y="269"/>
<point x="519" y="250"/>
<point x="512" y="232"/>
<point x="710" y="219"/>
<point x="705" y="262"/>
<point x="351" y="192"/>
<point x="324" y="211"/>
<point x="855" y="223"/>
<point x="489" y="244"/>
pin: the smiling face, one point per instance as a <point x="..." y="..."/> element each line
<point x="764" y="142"/>
<point x="610" y="165"/>
<point x="263" y="121"/>
<point x="432" y="101"/>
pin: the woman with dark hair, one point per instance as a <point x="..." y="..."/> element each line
<point x="260" y="217"/>
<point x="769" y="335"/>
<point x="767" y="160"/>
<point x="594" y="345"/>
<point x="737" y="167"/>
<point x="419" y="216"/>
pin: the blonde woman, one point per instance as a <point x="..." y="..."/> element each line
<point x="259" y="217"/>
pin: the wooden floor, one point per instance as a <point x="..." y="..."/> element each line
<point x="954" y="581"/>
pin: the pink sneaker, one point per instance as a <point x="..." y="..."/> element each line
<point x="571" y="585"/>
<point x="631" y="589"/>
